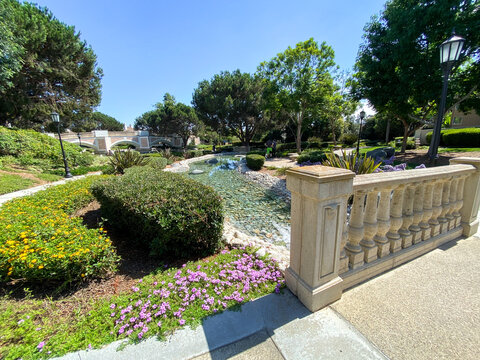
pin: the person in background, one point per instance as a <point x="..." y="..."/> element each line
<point x="274" y="148"/>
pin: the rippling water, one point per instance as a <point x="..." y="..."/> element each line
<point x="248" y="206"/>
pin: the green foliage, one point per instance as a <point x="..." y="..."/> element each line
<point x="312" y="156"/>
<point x="255" y="162"/>
<point x="10" y="51"/>
<point x="42" y="240"/>
<point x="99" y="121"/>
<point x="299" y="82"/>
<point x="349" y="139"/>
<point x="33" y="148"/>
<point x="58" y="69"/>
<point x="121" y="160"/>
<point x="10" y="183"/>
<point x="165" y="212"/>
<point x="158" y="163"/>
<point x="193" y="153"/>
<point x="357" y="164"/>
<point x="467" y="137"/>
<point x="232" y="102"/>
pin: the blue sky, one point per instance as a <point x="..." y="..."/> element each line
<point x="147" y="48"/>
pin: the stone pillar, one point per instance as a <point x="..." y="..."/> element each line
<point x="452" y="201"/>
<point x="396" y="219"/>
<point x="436" y="208"/>
<point x="407" y="216"/>
<point x="442" y="219"/>
<point x="370" y="227"/>
<point x="415" y="229"/>
<point x="318" y="214"/>
<point x="427" y="211"/>
<point x="471" y="196"/>
<point x="459" y="202"/>
<point x="383" y="219"/>
<point x="356" y="230"/>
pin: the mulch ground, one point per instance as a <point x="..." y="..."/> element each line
<point x="417" y="157"/>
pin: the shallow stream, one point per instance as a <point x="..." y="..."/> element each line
<point x="250" y="207"/>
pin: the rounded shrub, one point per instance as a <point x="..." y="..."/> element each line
<point x="312" y="156"/>
<point x="468" y="137"/>
<point x="255" y="162"/>
<point x="349" y="139"/>
<point x="158" y="163"/>
<point x="168" y="213"/>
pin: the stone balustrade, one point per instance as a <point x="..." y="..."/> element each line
<point x="394" y="217"/>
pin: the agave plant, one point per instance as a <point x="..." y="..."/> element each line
<point x="121" y="160"/>
<point x="354" y="162"/>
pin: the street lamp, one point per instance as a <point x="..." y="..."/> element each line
<point x="56" y="120"/>
<point x="449" y="53"/>
<point x="79" y="139"/>
<point x="362" y="116"/>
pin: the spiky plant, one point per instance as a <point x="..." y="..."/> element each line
<point x="121" y="160"/>
<point x="357" y="164"/>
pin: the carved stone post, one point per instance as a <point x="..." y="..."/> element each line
<point x="370" y="227"/>
<point x="319" y="201"/>
<point x="407" y="216"/>
<point x="451" y="204"/>
<point x="356" y="230"/>
<point x="396" y="219"/>
<point x="459" y="203"/>
<point x="383" y="220"/>
<point x="436" y="207"/>
<point x="471" y="197"/>
<point x="415" y="229"/>
<point x="442" y="219"/>
<point x="427" y="211"/>
<point x="343" y="267"/>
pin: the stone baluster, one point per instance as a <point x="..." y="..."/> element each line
<point x="383" y="223"/>
<point x="459" y="203"/>
<point x="356" y="230"/>
<point x="427" y="211"/>
<point x="436" y="208"/>
<point x="452" y="200"/>
<point x="343" y="266"/>
<point x="370" y="227"/>
<point x="407" y="216"/>
<point x="396" y="219"/>
<point x="415" y="229"/>
<point x="471" y="197"/>
<point x="442" y="219"/>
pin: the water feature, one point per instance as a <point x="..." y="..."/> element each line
<point x="250" y="207"/>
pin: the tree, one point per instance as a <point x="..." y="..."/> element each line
<point x="300" y="78"/>
<point x="398" y="68"/>
<point x="170" y="117"/>
<point x="231" y="103"/>
<point x="100" y="121"/>
<point x="10" y="51"/>
<point x="58" y="70"/>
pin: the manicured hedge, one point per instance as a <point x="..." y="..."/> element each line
<point x="165" y="212"/>
<point x="40" y="240"/>
<point x="467" y="137"/>
<point x="157" y="163"/>
<point x="255" y="162"/>
<point x="312" y="156"/>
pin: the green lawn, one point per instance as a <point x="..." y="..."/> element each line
<point x="10" y="183"/>
<point x="457" y="149"/>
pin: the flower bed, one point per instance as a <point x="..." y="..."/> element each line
<point x="40" y="240"/>
<point x="157" y="305"/>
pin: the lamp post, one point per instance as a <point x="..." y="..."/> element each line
<point x="449" y="53"/>
<point x="56" y="120"/>
<point x="79" y="139"/>
<point x="362" y="116"/>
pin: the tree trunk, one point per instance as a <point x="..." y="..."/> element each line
<point x="298" y="138"/>
<point x="387" y="132"/>
<point x="405" y="137"/>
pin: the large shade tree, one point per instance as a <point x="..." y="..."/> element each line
<point x="232" y="102"/>
<point x="55" y="69"/>
<point x="398" y="67"/>
<point x="170" y="117"/>
<point x="300" y="79"/>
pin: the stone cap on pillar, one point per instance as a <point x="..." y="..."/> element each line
<point x="320" y="173"/>
<point x="466" y="160"/>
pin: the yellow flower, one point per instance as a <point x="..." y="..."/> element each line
<point x="82" y="275"/>
<point x="40" y="266"/>
<point x="34" y="261"/>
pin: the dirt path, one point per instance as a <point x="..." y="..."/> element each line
<point x="420" y="156"/>
<point x="26" y="176"/>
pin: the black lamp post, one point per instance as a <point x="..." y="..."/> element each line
<point x="79" y="139"/>
<point x="362" y="116"/>
<point x="449" y="53"/>
<point x="56" y="120"/>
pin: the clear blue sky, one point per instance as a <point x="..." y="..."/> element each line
<point x="149" y="47"/>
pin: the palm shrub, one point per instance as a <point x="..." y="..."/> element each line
<point x="121" y="160"/>
<point x="354" y="162"/>
<point x="167" y="213"/>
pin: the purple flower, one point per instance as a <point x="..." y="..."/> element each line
<point x="181" y="322"/>
<point x="112" y="306"/>
<point x="41" y="345"/>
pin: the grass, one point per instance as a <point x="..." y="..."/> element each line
<point x="11" y="182"/>
<point x="48" y="177"/>
<point x="157" y="305"/>
<point x="457" y="149"/>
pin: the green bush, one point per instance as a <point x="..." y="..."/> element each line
<point x="42" y="240"/>
<point x="193" y="153"/>
<point x="34" y="148"/>
<point x="255" y="162"/>
<point x="121" y="160"/>
<point x="312" y="156"/>
<point x="349" y="139"/>
<point x="468" y="137"/>
<point x="168" y="213"/>
<point x="358" y="164"/>
<point x="158" y="163"/>
<point x="257" y="152"/>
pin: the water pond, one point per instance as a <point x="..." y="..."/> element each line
<point x="250" y="207"/>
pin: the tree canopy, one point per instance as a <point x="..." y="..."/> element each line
<point x="300" y="79"/>
<point x="169" y="118"/>
<point x="398" y="66"/>
<point x="47" y="67"/>
<point x="232" y="102"/>
<point x="99" y="121"/>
